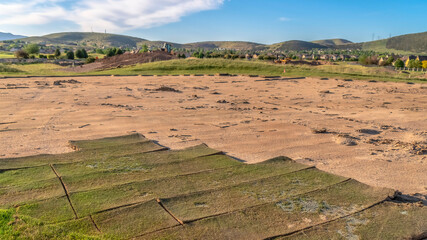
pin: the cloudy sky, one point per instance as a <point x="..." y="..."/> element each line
<point x="264" y="21"/>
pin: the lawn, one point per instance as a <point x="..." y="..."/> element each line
<point x="130" y="187"/>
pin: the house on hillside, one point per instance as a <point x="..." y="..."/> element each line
<point x="255" y="56"/>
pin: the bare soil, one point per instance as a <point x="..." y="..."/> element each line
<point x="122" y="60"/>
<point x="375" y="132"/>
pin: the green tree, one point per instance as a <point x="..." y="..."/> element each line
<point x="85" y="55"/>
<point x="399" y="63"/>
<point x="110" y="52"/>
<point x="32" y="48"/>
<point x="119" y="51"/>
<point x="389" y="60"/>
<point x="57" y="53"/>
<point x="144" y="48"/>
<point x="70" y="55"/>
<point x="79" y="53"/>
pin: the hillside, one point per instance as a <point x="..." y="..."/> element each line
<point x="332" y="42"/>
<point x="9" y="36"/>
<point x="295" y="45"/>
<point x="87" y="39"/>
<point x="416" y="42"/>
<point x="236" y="45"/>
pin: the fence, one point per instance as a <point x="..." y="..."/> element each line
<point x="412" y="69"/>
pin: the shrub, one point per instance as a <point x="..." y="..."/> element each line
<point x="21" y="54"/>
<point x="50" y="57"/>
<point x="90" y="60"/>
<point x="424" y="64"/>
<point x="70" y="55"/>
<point x="32" y="48"/>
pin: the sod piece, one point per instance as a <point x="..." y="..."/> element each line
<point x="88" y="202"/>
<point x="135" y="220"/>
<point x="282" y="217"/>
<point x="200" y="205"/>
<point x="78" y="156"/>
<point x="108" y="142"/>
<point x="96" y="175"/>
<point x="51" y="210"/>
<point x="388" y="220"/>
<point x="37" y="190"/>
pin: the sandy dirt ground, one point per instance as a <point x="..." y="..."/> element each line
<point x="374" y="132"/>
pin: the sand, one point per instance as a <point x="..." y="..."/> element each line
<point x="374" y="132"/>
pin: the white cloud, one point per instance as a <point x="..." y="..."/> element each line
<point x="113" y="15"/>
<point x="284" y="19"/>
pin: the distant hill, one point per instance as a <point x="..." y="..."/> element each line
<point x="404" y="44"/>
<point x="295" y="45"/>
<point x="9" y="36"/>
<point x="332" y="42"/>
<point x="416" y="42"/>
<point x="236" y="45"/>
<point x="87" y="39"/>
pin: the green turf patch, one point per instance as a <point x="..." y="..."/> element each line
<point x="135" y="220"/>
<point x="200" y="205"/>
<point x="83" y="155"/>
<point x="108" y="142"/>
<point x="385" y="221"/>
<point x="51" y="210"/>
<point x="283" y="216"/>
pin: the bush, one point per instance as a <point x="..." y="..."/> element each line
<point x="424" y="64"/>
<point x="32" y="48"/>
<point x="70" y="55"/>
<point x="90" y="60"/>
<point x="21" y="54"/>
<point x="50" y="57"/>
<point x="42" y="56"/>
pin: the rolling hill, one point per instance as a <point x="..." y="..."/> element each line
<point x="87" y="39"/>
<point x="295" y="45"/>
<point x="236" y="45"/>
<point x="332" y="42"/>
<point x="9" y="36"/>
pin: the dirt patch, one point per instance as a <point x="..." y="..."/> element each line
<point x="124" y="60"/>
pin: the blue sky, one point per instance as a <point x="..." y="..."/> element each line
<point x="263" y="21"/>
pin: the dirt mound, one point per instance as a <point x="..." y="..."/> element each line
<point x="125" y="59"/>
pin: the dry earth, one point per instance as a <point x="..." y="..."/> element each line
<point x="374" y="132"/>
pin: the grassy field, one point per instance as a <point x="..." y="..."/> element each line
<point x="239" y="67"/>
<point x="130" y="187"/>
